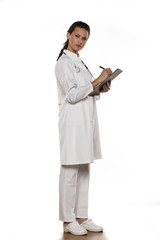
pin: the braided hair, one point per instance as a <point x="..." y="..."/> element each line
<point x="70" y="30"/>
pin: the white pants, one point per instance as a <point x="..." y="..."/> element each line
<point x="73" y="192"/>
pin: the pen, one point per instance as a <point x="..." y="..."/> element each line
<point x="101" y="67"/>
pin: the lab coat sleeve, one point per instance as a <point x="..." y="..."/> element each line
<point x="65" y="75"/>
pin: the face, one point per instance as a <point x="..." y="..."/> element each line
<point x="77" y="39"/>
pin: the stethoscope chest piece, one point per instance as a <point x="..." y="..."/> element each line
<point x="77" y="69"/>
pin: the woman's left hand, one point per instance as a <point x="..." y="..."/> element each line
<point x="106" y="87"/>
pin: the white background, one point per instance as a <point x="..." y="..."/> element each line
<point x="124" y="187"/>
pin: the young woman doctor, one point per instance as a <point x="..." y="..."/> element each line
<point x="78" y="130"/>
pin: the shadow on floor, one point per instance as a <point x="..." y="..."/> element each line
<point x="89" y="236"/>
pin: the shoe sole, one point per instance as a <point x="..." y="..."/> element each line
<point x="92" y="230"/>
<point x="78" y="234"/>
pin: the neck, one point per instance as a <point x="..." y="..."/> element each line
<point x="69" y="48"/>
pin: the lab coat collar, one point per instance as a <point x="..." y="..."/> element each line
<point x="70" y="54"/>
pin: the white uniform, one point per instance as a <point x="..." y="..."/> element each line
<point x="73" y="192"/>
<point x="78" y="122"/>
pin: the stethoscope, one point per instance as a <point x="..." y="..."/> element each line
<point x="78" y="69"/>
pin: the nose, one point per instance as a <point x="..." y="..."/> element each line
<point x="80" y="40"/>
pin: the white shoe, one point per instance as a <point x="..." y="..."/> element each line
<point x="75" y="228"/>
<point x="89" y="225"/>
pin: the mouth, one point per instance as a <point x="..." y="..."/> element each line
<point x="79" y="46"/>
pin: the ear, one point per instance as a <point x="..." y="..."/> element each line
<point x="68" y="35"/>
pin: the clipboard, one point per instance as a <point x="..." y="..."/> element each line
<point x="99" y="87"/>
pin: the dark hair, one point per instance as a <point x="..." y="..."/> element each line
<point x="70" y="30"/>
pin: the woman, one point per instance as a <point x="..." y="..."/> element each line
<point x="78" y="130"/>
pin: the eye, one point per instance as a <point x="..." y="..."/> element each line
<point x="84" y="38"/>
<point x="77" y="35"/>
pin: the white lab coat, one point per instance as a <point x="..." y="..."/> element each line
<point x="78" y="122"/>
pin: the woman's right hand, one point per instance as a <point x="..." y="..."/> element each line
<point x="104" y="74"/>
